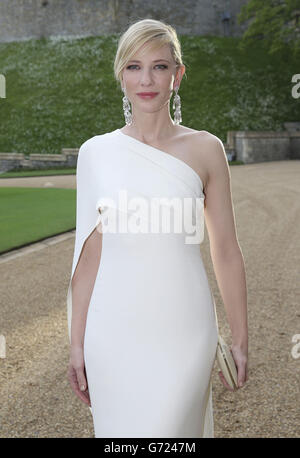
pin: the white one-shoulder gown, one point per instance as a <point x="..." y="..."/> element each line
<point x="151" y="332"/>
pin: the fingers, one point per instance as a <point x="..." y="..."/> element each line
<point x="241" y="362"/>
<point x="242" y="370"/>
<point x="81" y="380"/>
<point x="85" y="397"/>
<point x="77" y="381"/>
<point x="82" y="386"/>
<point x="242" y="374"/>
<point x="223" y="380"/>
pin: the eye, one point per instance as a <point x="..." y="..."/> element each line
<point x="159" y="65"/>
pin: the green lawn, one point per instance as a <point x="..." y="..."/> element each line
<point x="31" y="214"/>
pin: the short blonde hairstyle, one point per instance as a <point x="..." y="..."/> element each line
<point x="157" y="33"/>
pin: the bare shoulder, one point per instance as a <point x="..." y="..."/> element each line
<point x="209" y="141"/>
<point x="211" y="152"/>
<point x="207" y="153"/>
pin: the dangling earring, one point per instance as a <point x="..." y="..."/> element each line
<point x="126" y="109"/>
<point x="177" y="107"/>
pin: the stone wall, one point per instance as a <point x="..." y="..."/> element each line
<point x="25" y="19"/>
<point x="9" y="161"/>
<point x="245" y="146"/>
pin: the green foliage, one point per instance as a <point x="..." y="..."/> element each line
<point x="275" y="24"/>
<point x="60" y="92"/>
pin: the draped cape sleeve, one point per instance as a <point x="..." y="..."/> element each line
<point x="87" y="213"/>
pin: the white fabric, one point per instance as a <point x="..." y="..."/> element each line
<point x="151" y="331"/>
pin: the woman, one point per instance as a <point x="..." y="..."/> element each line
<point x="142" y="323"/>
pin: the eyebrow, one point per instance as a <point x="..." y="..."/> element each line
<point x="157" y="60"/>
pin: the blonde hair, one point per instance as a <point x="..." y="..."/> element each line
<point x="157" y="33"/>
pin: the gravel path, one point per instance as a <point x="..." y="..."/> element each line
<point x="36" y="400"/>
<point x="51" y="181"/>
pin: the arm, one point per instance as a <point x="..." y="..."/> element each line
<point x="225" y="251"/>
<point x="82" y="285"/>
<point x="86" y="259"/>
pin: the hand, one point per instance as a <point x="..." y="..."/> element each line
<point x="240" y="356"/>
<point x="77" y="375"/>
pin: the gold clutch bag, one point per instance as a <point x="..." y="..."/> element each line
<point x="226" y="363"/>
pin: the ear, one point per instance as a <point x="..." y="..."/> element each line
<point x="181" y="71"/>
<point x="179" y="75"/>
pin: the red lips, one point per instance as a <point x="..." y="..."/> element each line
<point x="147" y="93"/>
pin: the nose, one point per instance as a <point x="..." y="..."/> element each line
<point x="146" y="77"/>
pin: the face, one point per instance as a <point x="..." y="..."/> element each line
<point x="151" y="72"/>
